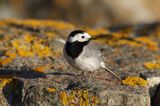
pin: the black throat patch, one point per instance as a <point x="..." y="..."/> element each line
<point x="75" y="49"/>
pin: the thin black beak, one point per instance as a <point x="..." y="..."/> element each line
<point x="93" y="38"/>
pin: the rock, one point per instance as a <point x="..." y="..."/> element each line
<point x="36" y="72"/>
<point x="122" y="99"/>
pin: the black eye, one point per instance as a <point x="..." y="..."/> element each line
<point x="83" y="37"/>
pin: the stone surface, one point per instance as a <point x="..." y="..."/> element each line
<point x="31" y="55"/>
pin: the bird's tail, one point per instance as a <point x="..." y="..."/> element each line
<point x="108" y="70"/>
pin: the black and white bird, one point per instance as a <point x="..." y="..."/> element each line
<point x="82" y="54"/>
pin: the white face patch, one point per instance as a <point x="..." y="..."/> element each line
<point x="81" y="37"/>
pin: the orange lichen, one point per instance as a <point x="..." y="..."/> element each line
<point x="63" y="98"/>
<point x="42" y="68"/>
<point x="43" y="23"/>
<point x="119" y="35"/>
<point x="29" y="38"/>
<point x="41" y="50"/>
<point x="148" y="42"/>
<point x="94" y="32"/>
<point x="20" y="44"/>
<point x="152" y="65"/>
<point x="84" y="98"/>
<point x="5" y="61"/>
<point x="10" y="56"/>
<point x="94" y="100"/>
<point x="29" y="46"/>
<point x="50" y="35"/>
<point x="126" y="42"/>
<point x="2" y="23"/>
<point x="78" y="97"/>
<point x="25" y="53"/>
<point x="51" y="89"/>
<point x="137" y="42"/>
<point x="134" y="81"/>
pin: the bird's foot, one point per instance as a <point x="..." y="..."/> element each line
<point x="85" y="76"/>
<point x="83" y="80"/>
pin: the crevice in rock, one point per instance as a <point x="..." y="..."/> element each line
<point x="13" y="92"/>
<point x="154" y="90"/>
<point x="155" y="100"/>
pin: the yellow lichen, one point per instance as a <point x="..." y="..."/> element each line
<point x="29" y="38"/>
<point x="10" y="56"/>
<point x="2" y="23"/>
<point x="119" y="35"/>
<point x="42" y="68"/>
<point x="50" y="35"/>
<point x="78" y="97"/>
<point x="94" y="100"/>
<point x="126" y="42"/>
<point x="137" y="42"/>
<point x="4" y="81"/>
<point x="5" y="61"/>
<point x="41" y="50"/>
<point x="94" y="32"/>
<point x="134" y="81"/>
<point x="51" y="89"/>
<point x="31" y="46"/>
<point x="43" y="23"/>
<point x="148" y="42"/>
<point x="25" y="53"/>
<point x="152" y="65"/>
<point x="63" y="98"/>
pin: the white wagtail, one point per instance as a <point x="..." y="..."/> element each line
<point x="82" y="54"/>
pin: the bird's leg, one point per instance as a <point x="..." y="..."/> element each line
<point x="83" y="79"/>
<point x="89" y="76"/>
<point x="81" y="75"/>
<point x="79" y="82"/>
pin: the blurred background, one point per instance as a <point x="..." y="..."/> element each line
<point x="93" y="13"/>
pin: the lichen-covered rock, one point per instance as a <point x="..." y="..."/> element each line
<point x="37" y="74"/>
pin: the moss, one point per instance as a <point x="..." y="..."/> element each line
<point x="134" y="81"/>
<point x="152" y="65"/>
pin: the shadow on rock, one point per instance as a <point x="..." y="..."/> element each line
<point x="25" y="73"/>
<point x="60" y="73"/>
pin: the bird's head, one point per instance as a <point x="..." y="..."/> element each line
<point x="79" y="36"/>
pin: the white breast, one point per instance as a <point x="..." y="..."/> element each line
<point x="87" y="64"/>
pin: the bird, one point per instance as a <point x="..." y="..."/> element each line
<point x="82" y="54"/>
